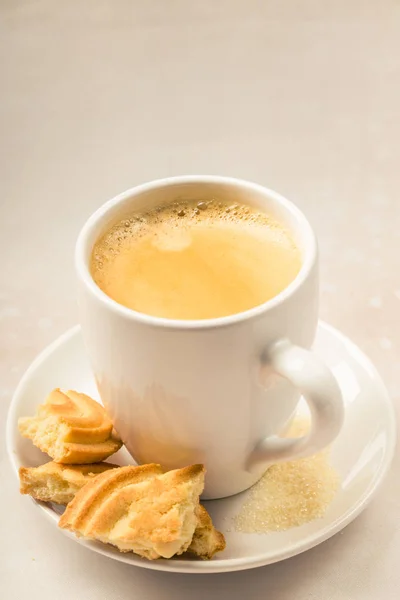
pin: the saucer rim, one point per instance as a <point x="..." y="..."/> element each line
<point x="221" y="565"/>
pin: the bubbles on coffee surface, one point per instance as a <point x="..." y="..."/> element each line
<point x="169" y="225"/>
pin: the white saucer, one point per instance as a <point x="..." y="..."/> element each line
<point x="361" y="454"/>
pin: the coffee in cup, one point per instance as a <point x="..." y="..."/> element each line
<point x="195" y="259"/>
<point x="181" y="386"/>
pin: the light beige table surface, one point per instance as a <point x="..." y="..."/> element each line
<point x="97" y="96"/>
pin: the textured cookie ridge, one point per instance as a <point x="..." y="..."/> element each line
<point x="72" y="428"/>
<point x="139" y="509"/>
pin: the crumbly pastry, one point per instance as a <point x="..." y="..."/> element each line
<point x="55" y="482"/>
<point x="139" y="509"/>
<point x="207" y="540"/>
<point x="72" y="428"/>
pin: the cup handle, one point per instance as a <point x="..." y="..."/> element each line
<point x="321" y="391"/>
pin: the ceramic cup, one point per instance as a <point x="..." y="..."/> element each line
<point x="216" y="391"/>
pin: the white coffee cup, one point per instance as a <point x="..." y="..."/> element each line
<point x="215" y="391"/>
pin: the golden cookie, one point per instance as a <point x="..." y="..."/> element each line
<point x="54" y="482"/>
<point x="139" y="509"/>
<point x="72" y="428"/>
<point x="206" y="541"/>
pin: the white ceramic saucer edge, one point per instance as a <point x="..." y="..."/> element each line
<point x="221" y="564"/>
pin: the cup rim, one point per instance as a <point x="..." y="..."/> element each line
<point x="83" y="271"/>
